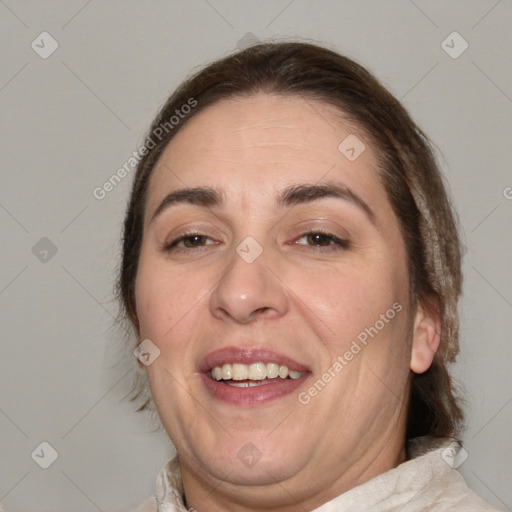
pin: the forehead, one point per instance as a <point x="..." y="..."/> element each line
<point x="252" y="147"/>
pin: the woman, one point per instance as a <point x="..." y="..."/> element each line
<point x="291" y="268"/>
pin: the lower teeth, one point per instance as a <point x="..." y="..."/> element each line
<point x="249" y="384"/>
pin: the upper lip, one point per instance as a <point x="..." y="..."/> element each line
<point x="247" y="355"/>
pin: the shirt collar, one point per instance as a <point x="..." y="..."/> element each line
<point x="169" y="488"/>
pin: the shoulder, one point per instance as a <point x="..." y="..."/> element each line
<point x="445" y="487"/>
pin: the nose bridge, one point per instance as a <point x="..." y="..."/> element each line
<point x="248" y="289"/>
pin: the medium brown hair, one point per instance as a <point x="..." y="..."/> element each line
<point x="407" y="170"/>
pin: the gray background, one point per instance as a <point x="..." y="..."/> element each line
<point x="71" y="120"/>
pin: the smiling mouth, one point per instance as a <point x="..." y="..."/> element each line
<point x="252" y="375"/>
<point x="245" y="376"/>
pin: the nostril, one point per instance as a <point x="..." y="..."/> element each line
<point x="261" y="312"/>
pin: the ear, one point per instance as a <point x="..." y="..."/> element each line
<point x="426" y="337"/>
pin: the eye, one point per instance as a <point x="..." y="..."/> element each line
<point x="321" y="240"/>
<point x="189" y="241"/>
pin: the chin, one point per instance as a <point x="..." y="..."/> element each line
<point x="260" y="461"/>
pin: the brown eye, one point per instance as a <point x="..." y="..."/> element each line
<point x="192" y="241"/>
<point x="188" y="242"/>
<point x="320" y="239"/>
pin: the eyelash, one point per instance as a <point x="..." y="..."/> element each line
<point x="172" y="246"/>
<point x="334" y="243"/>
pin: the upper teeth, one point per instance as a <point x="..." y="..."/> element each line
<point x="255" y="371"/>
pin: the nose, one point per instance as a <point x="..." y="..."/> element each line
<point x="247" y="292"/>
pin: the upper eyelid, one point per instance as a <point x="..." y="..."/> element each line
<point x="180" y="238"/>
<point x="317" y="232"/>
<point x="177" y="240"/>
<point x="301" y="233"/>
<point x="343" y="241"/>
<point x="303" y="227"/>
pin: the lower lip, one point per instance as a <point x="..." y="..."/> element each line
<point x="252" y="396"/>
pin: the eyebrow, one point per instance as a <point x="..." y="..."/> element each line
<point x="208" y="197"/>
<point x="301" y="194"/>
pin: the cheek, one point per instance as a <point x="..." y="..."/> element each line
<point x="171" y="306"/>
<point x="150" y="307"/>
<point x="348" y="299"/>
<point x="158" y="303"/>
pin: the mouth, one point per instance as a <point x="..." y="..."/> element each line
<point x="251" y="376"/>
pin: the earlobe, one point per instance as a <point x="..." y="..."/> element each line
<point x="426" y="338"/>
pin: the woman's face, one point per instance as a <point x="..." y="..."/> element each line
<point x="289" y="255"/>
